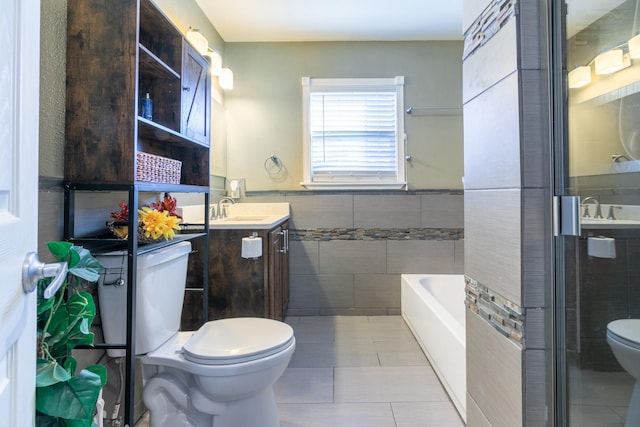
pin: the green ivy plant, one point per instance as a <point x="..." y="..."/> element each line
<point x="64" y="397"/>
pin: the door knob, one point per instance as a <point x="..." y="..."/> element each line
<point x="34" y="270"/>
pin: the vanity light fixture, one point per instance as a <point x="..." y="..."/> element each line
<point x="225" y="79"/>
<point x="634" y="47"/>
<point x="611" y="61"/>
<point x="579" y="77"/>
<point x="198" y="41"/>
<point x="215" y="60"/>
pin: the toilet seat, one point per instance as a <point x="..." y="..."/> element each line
<point x="237" y="340"/>
<point x="625" y="331"/>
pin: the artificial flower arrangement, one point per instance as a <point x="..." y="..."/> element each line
<point x="155" y="221"/>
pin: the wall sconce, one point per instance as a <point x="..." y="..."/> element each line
<point x="634" y="47"/>
<point x="198" y="41"/>
<point x="611" y="61"/>
<point x="579" y="77"/>
<point x="225" y="79"/>
<point x="216" y="61"/>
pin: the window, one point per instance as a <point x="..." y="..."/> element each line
<point x="353" y="133"/>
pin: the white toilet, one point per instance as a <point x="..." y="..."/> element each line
<point x="220" y="375"/>
<point x="623" y="336"/>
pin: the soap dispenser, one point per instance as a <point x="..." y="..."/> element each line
<point x="147" y="107"/>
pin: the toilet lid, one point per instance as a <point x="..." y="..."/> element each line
<point x="236" y="340"/>
<point x="627" y="329"/>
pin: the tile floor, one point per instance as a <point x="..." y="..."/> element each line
<point x="360" y="371"/>
<point x="598" y="399"/>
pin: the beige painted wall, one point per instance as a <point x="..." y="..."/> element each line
<point x="264" y="110"/>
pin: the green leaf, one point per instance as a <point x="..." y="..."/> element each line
<point x="48" y="373"/>
<point x="44" y="304"/>
<point x="79" y="423"/>
<point x="71" y="364"/>
<point x="60" y="250"/>
<point x="73" y="399"/>
<point x="43" y="420"/>
<point x="99" y="370"/>
<point x="84" y="265"/>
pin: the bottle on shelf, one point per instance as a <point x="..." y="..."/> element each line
<point x="147" y="107"/>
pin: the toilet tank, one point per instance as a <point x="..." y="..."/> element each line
<point x="160" y="284"/>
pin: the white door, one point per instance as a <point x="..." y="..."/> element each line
<point x="19" y="109"/>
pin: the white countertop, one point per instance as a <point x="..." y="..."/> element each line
<point x="239" y="215"/>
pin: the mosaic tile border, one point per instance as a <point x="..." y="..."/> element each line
<point x="326" y="234"/>
<point x="487" y="25"/>
<point x="503" y="315"/>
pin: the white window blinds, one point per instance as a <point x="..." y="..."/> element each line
<point x="354" y="133"/>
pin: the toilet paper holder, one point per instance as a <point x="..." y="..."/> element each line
<point x="252" y="246"/>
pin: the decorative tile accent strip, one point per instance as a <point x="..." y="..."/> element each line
<point x="503" y="315"/>
<point x="494" y="17"/>
<point x="326" y="234"/>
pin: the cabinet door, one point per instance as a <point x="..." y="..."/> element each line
<point x="196" y="102"/>
<point x="276" y="247"/>
<point x="279" y="270"/>
<point x="285" y="267"/>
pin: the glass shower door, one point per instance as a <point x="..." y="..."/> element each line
<point x="599" y="162"/>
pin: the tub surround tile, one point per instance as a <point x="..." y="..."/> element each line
<point x="304" y="257"/>
<point x="334" y="210"/>
<point x="475" y="417"/>
<point x="494" y="378"/>
<point x="340" y="257"/>
<point x="321" y="291"/>
<point x="347" y="249"/>
<point x="498" y="59"/>
<point x="492" y="157"/>
<point x="420" y="256"/>
<point x="503" y="315"/>
<point x="442" y="211"/>
<point x="327" y="234"/>
<point x="487" y="24"/>
<point x="381" y="212"/>
<point x="535" y="393"/>
<point x="377" y="290"/>
<point x="493" y="240"/>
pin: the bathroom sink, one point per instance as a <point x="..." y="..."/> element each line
<point x="240" y="215"/>
<point x="609" y="223"/>
<point x="244" y="218"/>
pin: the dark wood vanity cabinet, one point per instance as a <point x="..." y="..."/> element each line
<point x="240" y="287"/>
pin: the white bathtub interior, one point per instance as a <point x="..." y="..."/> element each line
<point x="432" y="305"/>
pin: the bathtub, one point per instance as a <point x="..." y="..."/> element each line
<point x="433" y="307"/>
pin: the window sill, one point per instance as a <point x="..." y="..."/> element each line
<point x="353" y="186"/>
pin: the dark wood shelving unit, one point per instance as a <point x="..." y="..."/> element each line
<point x="117" y="51"/>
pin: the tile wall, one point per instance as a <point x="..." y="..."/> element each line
<point x="507" y="243"/>
<point x="347" y="250"/>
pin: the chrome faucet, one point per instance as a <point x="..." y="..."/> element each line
<point x="221" y="211"/>
<point x="598" y="213"/>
